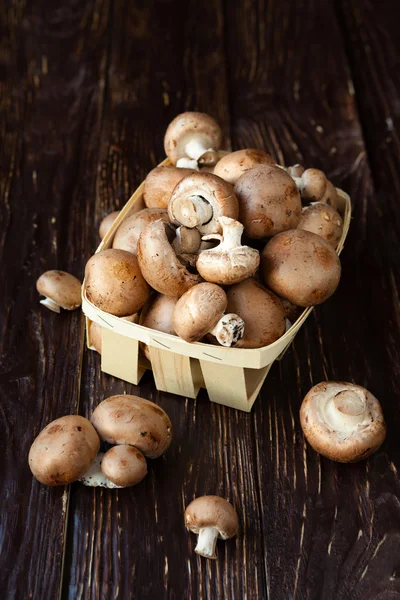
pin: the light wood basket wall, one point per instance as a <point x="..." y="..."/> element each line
<point x="232" y="377"/>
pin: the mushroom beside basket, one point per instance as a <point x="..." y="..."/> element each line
<point x="232" y="376"/>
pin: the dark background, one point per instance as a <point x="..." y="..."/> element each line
<point x="87" y="90"/>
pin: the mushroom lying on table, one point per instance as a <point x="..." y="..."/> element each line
<point x="160" y="183"/>
<point x="61" y="290"/>
<point x="127" y="235"/>
<point x="193" y="139"/>
<point x="324" y="220"/>
<point x="232" y="166"/>
<point x="107" y="223"/>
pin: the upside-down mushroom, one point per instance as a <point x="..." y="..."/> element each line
<point x="193" y="139"/>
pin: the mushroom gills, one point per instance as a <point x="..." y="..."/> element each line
<point x="207" y="541"/>
<point x="94" y="476"/>
<point x="49" y="303"/>
<point x="229" y="330"/>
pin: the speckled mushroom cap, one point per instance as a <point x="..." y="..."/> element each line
<point x="187" y="126"/>
<point x="127" y="235"/>
<point x="133" y="421"/>
<point x="64" y="450"/>
<point x="198" y="311"/>
<point x="114" y="282"/>
<point x="160" y="183"/>
<point x="107" y="223"/>
<point x="231" y="166"/>
<point x="342" y="421"/>
<point x="301" y="267"/>
<point x="124" y="465"/>
<point x="324" y="220"/>
<point x="269" y="201"/>
<point x="212" y="511"/>
<point x="262" y="312"/>
<point x="61" y="287"/>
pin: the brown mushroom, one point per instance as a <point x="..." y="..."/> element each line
<point x="157" y="314"/>
<point x="127" y="235"/>
<point x="324" y="220"/>
<point x="192" y="139"/>
<point x="269" y="201"/>
<point x="160" y="183"/>
<point x="295" y="171"/>
<point x="211" y="517"/>
<point x="199" y="200"/>
<point x="342" y="421"/>
<point x="229" y="262"/>
<point x="133" y="421"/>
<point x="232" y="166"/>
<point x="124" y="465"/>
<point x="315" y="187"/>
<point x="107" y="223"/>
<point x="159" y="264"/>
<point x="292" y="312"/>
<point x="64" y="450"/>
<point x="301" y="267"/>
<point x="201" y="310"/>
<point x="61" y="290"/>
<point x="95" y="336"/>
<point x="114" y="282"/>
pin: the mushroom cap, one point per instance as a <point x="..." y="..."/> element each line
<point x="301" y="267"/>
<point x="95" y="336"/>
<point x="187" y="126"/>
<point x="133" y="421"/>
<point x="262" y="312"/>
<point x="107" y="223"/>
<point x="269" y="201"/>
<point x="160" y="183"/>
<point x="324" y="220"/>
<point x="198" y="311"/>
<point x="160" y="265"/>
<point x="232" y="166"/>
<point x="127" y="235"/>
<point x="64" y="450"/>
<point x="212" y="511"/>
<point x="157" y="314"/>
<point x="340" y="440"/>
<point x="61" y="287"/>
<point x="315" y="187"/>
<point x="114" y="282"/>
<point x="214" y="190"/>
<point x="124" y="465"/>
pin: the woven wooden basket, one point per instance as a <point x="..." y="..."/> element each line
<point x="232" y="377"/>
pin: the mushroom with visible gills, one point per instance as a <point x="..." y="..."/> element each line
<point x="61" y="290"/>
<point x="324" y="220"/>
<point x="231" y="166"/>
<point x="127" y="235"/>
<point x="193" y="139"/>
<point x="342" y="421"/>
<point x="160" y="183"/>
<point x="121" y="466"/>
<point x="211" y="517"/>
<point x="107" y="223"/>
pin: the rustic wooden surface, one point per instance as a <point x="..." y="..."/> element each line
<point x="87" y="90"/>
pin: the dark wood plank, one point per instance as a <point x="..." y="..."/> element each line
<point x="330" y="531"/>
<point x="51" y="64"/>
<point x="166" y="57"/>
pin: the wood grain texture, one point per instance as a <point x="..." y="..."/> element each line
<point x="49" y="106"/>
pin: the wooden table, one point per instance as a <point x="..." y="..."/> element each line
<point x="87" y="91"/>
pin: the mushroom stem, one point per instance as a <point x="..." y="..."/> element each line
<point x="206" y="542"/>
<point x="299" y="183"/>
<point x="187" y="163"/>
<point x="49" y="303"/>
<point x="229" y="330"/>
<point x="346" y="410"/>
<point x="94" y="476"/>
<point x="195" y="149"/>
<point x="192" y="211"/>
<point x="231" y="235"/>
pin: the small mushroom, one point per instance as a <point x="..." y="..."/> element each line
<point x="262" y="312"/>
<point x="229" y="262"/>
<point x="201" y="310"/>
<point x="64" y="450"/>
<point x="107" y="223"/>
<point x="121" y="466"/>
<point x="193" y="139"/>
<point x="301" y="267"/>
<point x="211" y="517"/>
<point x="269" y="201"/>
<point x="128" y="233"/>
<point x="160" y="183"/>
<point x="315" y="187"/>
<point x="295" y="171"/>
<point x="157" y="314"/>
<point x="199" y="200"/>
<point x="324" y="220"/>
<point x="114" y="282"/>
<point x="61" y="290"/>
<point x="159" y="264"/>
<point x="133" y="421"/>
<point x="232" y="166"/>
<point x="342" y="421"/>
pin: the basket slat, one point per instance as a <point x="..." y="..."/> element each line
<point x="120" y="356"/>
<point x="176" y="373"/>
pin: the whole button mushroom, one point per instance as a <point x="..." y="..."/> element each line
<point x="107" y="223"/>
<point x="201" y="310"/>
<point x="61" y="290"/>
<point x="269" y="201"/>
<point x="159" y="264"/>
<point x="193" y="139"/>
<point x="160" y="183"/>
<point x="301" y="267"/>
<point x="342" y="421"/>
<point x="128" y="233"/>
<point x="64" y="450"/>
<point x="232" y="166"/>
<point x="211" y="517"/>
<point x="133" y="421"/>
<point x="122" y="466"/>
<point x="157" y="314"/>
<point x="315" y="187"/>
<point x="200" y="200"/>
<point x="323" y="220"/>
<point x="229" y="262"/>
<point x="114" y="282"/>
